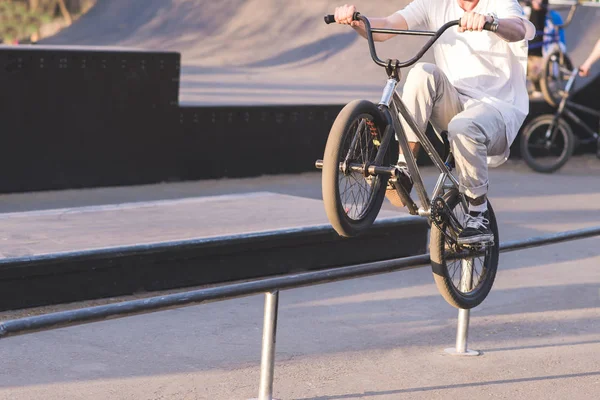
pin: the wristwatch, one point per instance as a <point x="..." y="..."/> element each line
<point x="494" y="23"/>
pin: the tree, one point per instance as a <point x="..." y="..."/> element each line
<point x="17" y="21"/>
<point x="33" y="4"/>
<point x="65" y="12"/>
<point x="22" y="18"/>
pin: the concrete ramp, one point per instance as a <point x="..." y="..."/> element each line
<point x="265" y="51"/>
<point x="247" y="51"/>
<point x="582" y="35"/>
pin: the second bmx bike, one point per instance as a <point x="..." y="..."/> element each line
<point x="548" y="141"/>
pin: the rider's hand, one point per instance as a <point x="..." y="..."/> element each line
<point x="472" y="21"/>
<point x="584" y="70"/>
<point x="344" y="15"/>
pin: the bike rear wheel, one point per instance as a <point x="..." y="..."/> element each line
<point x="547" y="143"/>
<point x="464" y="282"/>
<point x="555" y="74"/>
<point x="352" y="199"/>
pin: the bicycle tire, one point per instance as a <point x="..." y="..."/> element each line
<point x="549" y="83"/>
<point x="439" y="262"/>
<point x="527" y="136"/>
<point x="336" y="207"/>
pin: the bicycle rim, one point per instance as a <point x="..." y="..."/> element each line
<point x="547" y="144"/>
<point x="359" y="146"/>
<point x="557" y="71"/>
<point x="463" y="282"/>
<point x="457" y="268"/>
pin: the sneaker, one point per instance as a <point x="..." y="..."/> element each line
<point x="477" y="229"/>
<point x="404" y="180"/>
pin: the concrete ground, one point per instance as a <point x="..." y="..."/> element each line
<point x="374" y="338"/>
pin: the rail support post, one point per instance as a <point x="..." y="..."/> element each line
<point x="462" y="330"/>
<point x="267" y="363"/>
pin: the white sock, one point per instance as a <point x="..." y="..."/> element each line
<point x="480" y="208"/>
<point x="401" y="159"/>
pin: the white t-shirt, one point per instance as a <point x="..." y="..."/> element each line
<point x="481" y="65"/>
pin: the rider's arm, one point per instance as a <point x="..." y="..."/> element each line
<point x="394" y="21"/>
<point x="594" y="56"/>
<point x="344" y="14"/>
<point x="512" y="29"/>
<point x="513" y="25"/>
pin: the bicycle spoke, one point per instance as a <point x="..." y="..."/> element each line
<point x="357" y="191"/>
<point x="355" y="138"/>
<point x="476" y="272"/>
<point x="456" y="268"/>
<point x="547" y="143"/>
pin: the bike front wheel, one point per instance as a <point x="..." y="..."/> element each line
<point x="547" y="143"/>
<point x="555" y="74"/>
<point x="352" y="198"/>
<point x="463" y="282"/>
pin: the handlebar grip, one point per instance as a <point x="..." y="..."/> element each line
<point x="330" y="19"/>
<point x="486" y="27"/>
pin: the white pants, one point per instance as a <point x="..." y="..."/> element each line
<point x="475" y="129"/>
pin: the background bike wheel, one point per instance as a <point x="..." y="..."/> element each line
<point x="555" y="74"/>
<point x="448" y="274"/>
<point x="541" y="154"/>
<point x="352" y="201"/>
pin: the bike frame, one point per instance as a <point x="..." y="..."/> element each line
<point x="566" y="104"/>
<point x="392" y="107"/>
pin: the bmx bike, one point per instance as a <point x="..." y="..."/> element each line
<point x="547" y="142"/>
<point x="555" y="59"/>
<point x="360" y="162"/>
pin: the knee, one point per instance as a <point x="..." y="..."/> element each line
<point x="464" y="129"/>
<point x="421" y="73"/>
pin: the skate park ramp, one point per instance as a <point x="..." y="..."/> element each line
<point x="266" y="51"/>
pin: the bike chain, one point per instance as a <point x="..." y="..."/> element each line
<point x="442" y="216"/>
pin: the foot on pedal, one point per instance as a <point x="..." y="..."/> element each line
<point x="477" y="230"/>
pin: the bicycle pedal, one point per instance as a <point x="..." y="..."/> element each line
<point x="482" y="246"/>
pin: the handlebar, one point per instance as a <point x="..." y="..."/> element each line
<point x="329" y="19"/>
<point x="570" y="16"/>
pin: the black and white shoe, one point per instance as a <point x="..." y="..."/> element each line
<point x="477" y="229"/>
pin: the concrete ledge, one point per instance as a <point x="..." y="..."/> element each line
<point x="104" y="251"/>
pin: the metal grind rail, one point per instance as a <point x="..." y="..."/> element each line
<point x="271" y="288"/>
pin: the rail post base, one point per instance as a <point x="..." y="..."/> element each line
<point x="462" y="333"/>
<point x="452" y="351"/>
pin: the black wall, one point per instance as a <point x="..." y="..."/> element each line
<point x="91" y="117"/>
<point x="81" y="118"/>
<point x="249" y="141"/>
